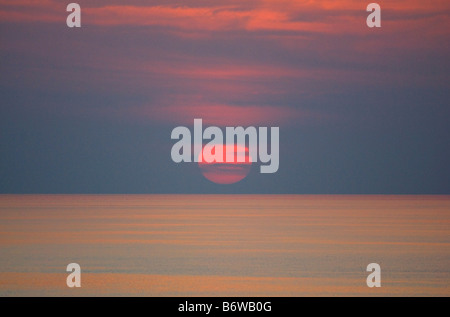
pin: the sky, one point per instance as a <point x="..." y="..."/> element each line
<point x="90" y="110"/>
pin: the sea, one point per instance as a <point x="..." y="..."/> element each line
<point x="224" y="245"/>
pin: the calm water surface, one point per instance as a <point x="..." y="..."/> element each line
<point x="230" y="245"/>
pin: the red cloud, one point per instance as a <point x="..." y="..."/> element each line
<point x="323" y="16"/>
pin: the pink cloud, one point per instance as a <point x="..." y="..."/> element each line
<point x="324" y="16"/>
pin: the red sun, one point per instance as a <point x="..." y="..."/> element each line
<point x="225" y="172"/>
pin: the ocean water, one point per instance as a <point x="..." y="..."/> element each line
<point x="224" y="245"/>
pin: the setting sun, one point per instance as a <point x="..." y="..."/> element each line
<point x="226" y="172"/>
